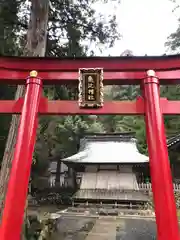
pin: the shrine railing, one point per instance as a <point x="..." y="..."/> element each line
<point x="141" y="186"/>
<point x="148" y="186"/>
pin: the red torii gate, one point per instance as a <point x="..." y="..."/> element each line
<point x="117" y="70"/>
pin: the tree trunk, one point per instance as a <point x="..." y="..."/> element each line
<point x="35" y="46"/>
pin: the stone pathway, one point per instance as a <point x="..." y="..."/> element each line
<point x="104" y="229"/>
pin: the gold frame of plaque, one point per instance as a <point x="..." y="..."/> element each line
<point x="91" y="88"/>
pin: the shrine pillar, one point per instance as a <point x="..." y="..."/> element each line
<point x="13" y="214"/>
<point x="161" y="179"/>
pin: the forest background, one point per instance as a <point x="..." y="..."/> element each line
<point x="72" y="27"/>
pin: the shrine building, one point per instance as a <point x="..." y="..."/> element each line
<point x="109" y="167"/>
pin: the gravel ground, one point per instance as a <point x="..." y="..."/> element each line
<point x="74" y="228"/>
<point x="136" y="229"/>
<point x="82" y="228"/>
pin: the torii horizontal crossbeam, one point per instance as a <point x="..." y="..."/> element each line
<point x="72" y="108"/>
<point x="117" y="70"/>
<point x="110" y="78"/>
<point x="171" y="62"/>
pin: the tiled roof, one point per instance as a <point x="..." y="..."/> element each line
<point x="110" y="138"/>
<point x="108" y="148"/>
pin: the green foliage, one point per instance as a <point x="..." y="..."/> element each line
<point x="125" y="123"/>
<point x="173" y="42"/>
<point x="172" y="125"/>
<point x="36" y="228"/>
<point x="8" y="46"/>
<point x="9" y="27"/>
<point x="76" y="24"/>
<point x="173" y="92"/>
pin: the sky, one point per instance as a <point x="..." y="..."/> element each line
<point x="144" y="25"/>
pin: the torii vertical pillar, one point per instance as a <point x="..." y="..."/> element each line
<point x="15" y="201"/>
<point x="162" y="185"/>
